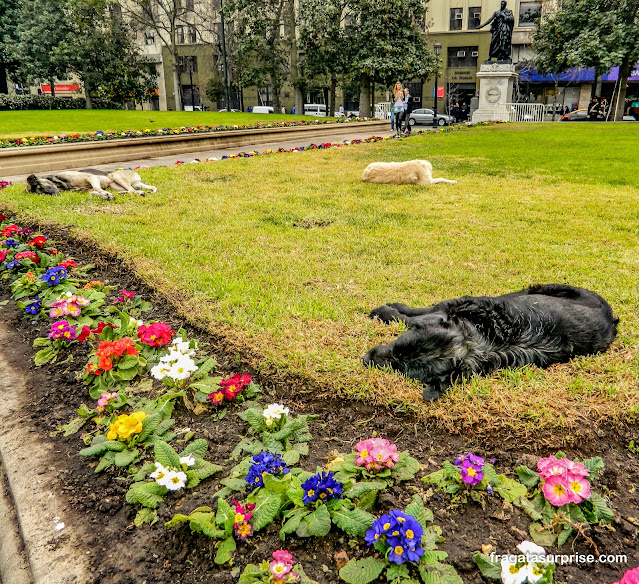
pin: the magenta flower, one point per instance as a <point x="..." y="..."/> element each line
<point x="283" y="556"/>
<point x="470" y="474"/>
<point x="557" y="491"/>
<point x="280" y="569"/>
<point x="62" y="330"/>
<point x="630" y="577"/>
<point x="579" y="488"/>
<point x="376" y="454"/>
<point x="104" y="400"/>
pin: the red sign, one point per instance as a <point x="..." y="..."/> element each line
<point x="60" y="88"/>
<point x="440" y="92"/>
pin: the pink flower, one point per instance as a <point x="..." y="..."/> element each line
<point x="579" y="487"/>
<point x="104" y="400"/>
<point x="630" y="577"/>
<point x="376" y="454"/>
<point x="557" y="491"/>
<point x="280" y="569"/>
<point x="3" y="254"/>
<point x="552" y="466"/>
<point x="283" y="556"/>
<point x="575" y="468"/>
<point x="157" y="334"/>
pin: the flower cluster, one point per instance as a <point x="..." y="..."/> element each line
<point x="274" y="413"/>
<point x="33" y="308"/>
<point x="109" y="351"/>
<point x="66" y="264"/>
<point x="263" y="464"/>
<point x="126" y="426"/>
<point x="124" y="297"/>
<point x="28" y="255"/>
<point x="630" y="577"/>
<point x="170" y="478"/>
<point x="177" y="364"/>
<point x="402" y="534"/>
<point x="68" y="305"/>
<point x="39" y="241"/>
<point x="564" y="480"/>
<point x="53" y="276"/>
<point x="86" y="331"/>
<point x="243" y="514"/>
<point x="471" y="467"/>
<point x="281" y="568"/>
<point x="4" y="184"/>
<point x="9" y="230"/>
<point x="229" y="388"/>
<point x="62" y="331"/>
<point x="104" y="400"/>
<point x="157" y="334"/>
<point x="528" y="567"/>
<point x="322" y="487"/>
<point x="376" y="454"/>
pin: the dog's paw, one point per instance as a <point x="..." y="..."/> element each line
<point x="385" y="313"/>
<point x="431" y="393"/>
<point x="141" y="193"/>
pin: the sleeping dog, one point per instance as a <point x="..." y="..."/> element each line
<point x="411" y="172"/>
<point x="455" y="339"/>
<point x="92" y="180"/>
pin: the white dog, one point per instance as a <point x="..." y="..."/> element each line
<point x="412" y="172"/>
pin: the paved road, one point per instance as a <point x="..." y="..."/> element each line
<point x="203" y="155"/>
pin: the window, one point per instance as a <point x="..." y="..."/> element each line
<point x="528" y="13"/>
<point x="149" y="38"/>
<point x="187" y="64"/>
<point x="456" y="15"/>
<point x="474" y="17"/>
<point x="192" y="34"/>
<point x="179" y="35"/>
<point x="462" y="57"/>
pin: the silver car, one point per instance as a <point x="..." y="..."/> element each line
<point x="424" y="117"/>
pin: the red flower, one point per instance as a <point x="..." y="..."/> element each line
<point x="38" y="241"/>
<point x="67" y="264"/>
<point x="9" y="230"/>
<point x="233" y="385"/>
<point x="157" y="334"/>
<point x="2" y="217"/>
<point x="216" y="398"/>
<point x="28" y="255"/>
<point x="85" y="333"/>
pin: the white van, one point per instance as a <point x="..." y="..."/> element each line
<point x="315" y="109"/>
<point x="263" y="109"/>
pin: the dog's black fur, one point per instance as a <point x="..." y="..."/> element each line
<point x="49" y="185"/>
<point x="457" y="338"/>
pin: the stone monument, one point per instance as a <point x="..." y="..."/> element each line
<point x="497" y="78"/>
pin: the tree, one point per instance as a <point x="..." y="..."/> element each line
<point x="163" y="17"/>
<point x="590" y="33"/>
<point x="8" y="24"/>
<point x="389" y="42"/>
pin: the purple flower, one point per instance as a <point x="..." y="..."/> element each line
<point x="470" y="474"/>
<point x="11" y="243"/>
<point x="34" y="307"/>
<point x="11" y="265"/>
<point x="62" y="330"/>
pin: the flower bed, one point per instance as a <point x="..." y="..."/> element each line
<point x="145" y="373"/>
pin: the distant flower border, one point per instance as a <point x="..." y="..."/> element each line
<point x="100" y="135"/>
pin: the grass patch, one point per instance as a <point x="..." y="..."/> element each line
<point x="21" y="124"/>
<point x="285" y="255"/>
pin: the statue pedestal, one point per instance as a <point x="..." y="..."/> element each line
<point x="496" y="81"/>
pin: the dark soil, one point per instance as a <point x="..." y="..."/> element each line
<point x="121" y="554"/>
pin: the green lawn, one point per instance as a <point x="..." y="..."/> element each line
<point x="285" y="255"/>
<point x="19" y="124"/>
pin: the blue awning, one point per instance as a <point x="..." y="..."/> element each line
<point x="575" y="75"/>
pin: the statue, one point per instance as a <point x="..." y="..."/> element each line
<point x="501" y="26"/>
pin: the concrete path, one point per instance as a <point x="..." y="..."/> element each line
<point x="203" y="155"/>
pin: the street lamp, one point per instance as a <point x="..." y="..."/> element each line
<point x="437" y="49"/>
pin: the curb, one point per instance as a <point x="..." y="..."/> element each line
<point x="13" y="161"/>
<point x="35" y="546"/>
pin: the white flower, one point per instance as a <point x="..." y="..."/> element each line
<point x="160" y="371"/>
<point x="510" y="573"/>
<point x="189" y="460"/>
<point x="532" y="551"/>
<point x="159" y="473"/>
<point x="182" y="347"/>
<point x="274" y="412"/>
<point x="534" y="572"/>
<point x="173" y="480"/>
<point x="135" y="323"/>
<point x="182" y="368"/>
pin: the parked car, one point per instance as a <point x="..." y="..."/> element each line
<point x="424" y="117"/>
<point x="263" y="109"/>
<point x="315" y="109"/>
<point x="580" y="115"/>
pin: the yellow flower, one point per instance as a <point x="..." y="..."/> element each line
<point x="126" y="425"/>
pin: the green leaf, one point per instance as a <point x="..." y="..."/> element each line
<point x="487" y="567"/>
<point x="105" y="462"/>
<point x="255" y="418"/>
<point x="509" y="489"/>
<point x="368" y="500"/>
<point x="563" y="536"/>
<point x="433" y="556"/>
<point x="235" y="484"/>
<point x="128" y="362"/>
<point x="291" y="457"/>
<point x="527" y="476"/>
<point x="530" y="509"/>
<point x="251" y="575"/>
<point x="95" y="448"/>
<point x="603" y="511"/>
<point x="397" y="571"/>
<point x="43" y="356"/>
<point x="146" y="494"/>
<point x="361" y="488"/>
<point x="594" y="465"/>
<point x="204" y="369"/>
<point x="197" y="448"/>
<point x="541" y="536"/>
<point x="318" y="523"/>
<point x="274" y="484"/>
<point x="149" y="425"/>
<point x="418" y="511"/>
<point x="406" y="468"/>
<point x="431" y="537"/>
<point x="301" y="447"/>
<point x="267" y="508"/>
<point x="73" y="426"/>
<point x="41" y="342"/>
<point x="225" y="551"/>
<point x="293" y="521"/>
<point x="355" y="522"/>
<point x="438" y="574"/>
<point x="362" y="571"/>
<point x="289" y="428"/>
<point x="115" y="445"/>
<point x="145" y="515"/>
<point x="126" y="457"/>
<point x="165" y="455"/>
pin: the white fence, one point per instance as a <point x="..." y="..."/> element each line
<point x="382" y="110"/>
<point x="520" y="112"/>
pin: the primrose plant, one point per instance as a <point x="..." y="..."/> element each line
<point x="169" y="473"/>
<point x="406" y="550"/>
<point x="280" y="570"/>
<point x="529" y="566"/>
<point x="562" y="502"/>
<point x="471" y="477"/>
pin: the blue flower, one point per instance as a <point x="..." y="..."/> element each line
<point x="263" y="464"/>
<point x="53" y="276"/>
<point x="11" y="243"/>
<point x="402" y="534"/>
<point x="11" y="265"/>
<point x="322" y="487"/>
<point x="34" y="307"/>
<point x="401" y="551"/>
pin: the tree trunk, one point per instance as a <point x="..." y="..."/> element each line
<point x="365" y="96"/>
<point x="177" y="90"/>
<point x="87" y="99"/>
<point x="299" y="101"/>
<point x="276" y="99"/>
<point x="4" y="87"/>
<point x="52" y="82"/>
<point x="331" y="97"/>
<point x="620" y="104"/>
<point x="295" y="72"/>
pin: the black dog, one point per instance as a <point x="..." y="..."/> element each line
<point x="457" y="338"/>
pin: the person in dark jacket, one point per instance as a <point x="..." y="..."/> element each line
<point x="409" y="105"/>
